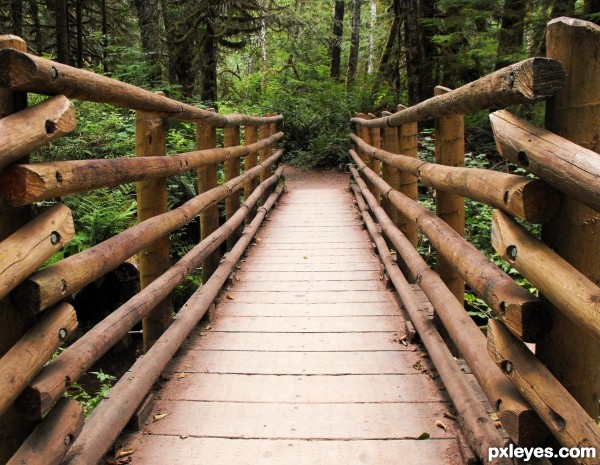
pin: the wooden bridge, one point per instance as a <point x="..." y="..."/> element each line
<point x="321" y="335"/>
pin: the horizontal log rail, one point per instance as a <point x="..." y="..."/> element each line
<point x="530" y="199"/>
<point x="521" y="423"/>
<point x="524" y="82"/>
<point x="29" y="129"/>
<point x="111" y="416"/>
<point x="24" y="251"/>
<point x="26" y="358"/>
<point x="52" y="438"/>
<point x="575" y="295"/>
<point x="568" y="167"/>
<point x="54" y="283"/>
<point x="566" y="419"/>
<point x="522" y="312"/>
<point x="476" y="425"/>
<point x="24" y="184"/>
<point x="27" y="73"/>
<point x="50" y="384"/>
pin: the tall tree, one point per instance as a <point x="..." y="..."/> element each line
<point x="388" y="69"/>
<point x="354" y="42"/>
<point x="16" y="13"/>
<point x="148" y="15"/>
<point x="62" y="32"/>
<point x="37" y="28"/>
<point x="79" y="29"/>
<point x="510" y="35"/>
<point x="371" y="57"/>
<point x="336" y="43"/>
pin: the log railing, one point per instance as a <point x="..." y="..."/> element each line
<point x="556" y="390"/>
<point x="36" y="317"/>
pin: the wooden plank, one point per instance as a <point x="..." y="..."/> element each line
<point x="310" y="286"/>
<point x="293" y="297"/>
<point x="200" y="451"/>
<point x="335" y="309"/>
<point x="209" y="387"/>
<point x="317" y="259"/>
<point x="275" y="266"/>
<point x="319" y="247"/>
<point x="292" y="342"/>
<point x="320" y="324"/>
<point x="299" y="363"/>
<point x="299" y="421"/>
<point x="294" y="276"/>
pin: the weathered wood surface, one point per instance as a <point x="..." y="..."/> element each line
<point x="565" y="418"/>
<point x="55" y="282"/>
<point x="80" y="356"/>
<point x="25" y="250"/>
<point x="206" y="139"/>
<point x="530" y="199"/>
<point x="519" y="420"/>
<point x="112" y="415"/>
<point x="570" y="168"/>
<point x="478" y="428"/>
<point x="351" y="393"/>
<point x="575" y="232"/>
<point x="28" y="73"/>
<point x="524" y="82"/>
<point x="231" y="169"/>
<point x="522" y="312"/>
<point x="25" y="359"/>
<point x="23" y="184"/>
<point x="570" y="291"/>
<point x="53" y="437"/>
<point x="152" y="200"/>
<point x="29" y="129"/>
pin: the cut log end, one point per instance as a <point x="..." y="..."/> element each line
<point x="574" y="22"/>
<point x="29" y="403"/>
<point x="527" y="320"/>
<point x="17" y="69"/>
<point x="524" y="428"/>
<point x="26" y="298"/>
<point x="540" y="202"/>
<point x="538" y="77"/>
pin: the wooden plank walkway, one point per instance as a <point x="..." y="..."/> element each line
<point x="303" y="361"/>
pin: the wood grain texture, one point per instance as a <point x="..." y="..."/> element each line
<point x="302" y="360"/>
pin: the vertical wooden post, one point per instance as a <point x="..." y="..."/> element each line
<point x="570" y="352"/>
<point x="250" y="137"/>
<point x="206" y="138"/>
<point x="150" y="140"/>
<point x="231" y="138"/>
<point x="375" y="164"/>
<point x="450" y="151"/>
<point x="390" y="174"/>
<point x="13" y="324"/>
<point x="263" y="132"/>
<point x="409" y="134"/>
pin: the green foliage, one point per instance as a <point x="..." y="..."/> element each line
<point x="90" y="401"/>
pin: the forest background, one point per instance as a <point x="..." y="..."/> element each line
<point x="317" y="62"/>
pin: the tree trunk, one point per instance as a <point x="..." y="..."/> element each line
<point x="208" y="86"/>
<point x="411" y="45"/>
<point x="62" y="32"/>
<point x="336" y="44"/>
<point x="16" y="13"/>
<point x="37" y="29"/>
<point x="510" y="35"/>
<point x="354" y="42"/>
<point x="372" y="37"/>
<point x="148" y="14"/>
<point x="104" y="37"/>
<point x="79" y="27"/>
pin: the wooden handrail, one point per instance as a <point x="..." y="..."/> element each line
<point x="54" y="283"/>
<point x="523" y="82"/>
<point x="530" y="199"/>
<point x="522" y="312"/>
<point x="50" y="384"/>
<point x="24" y="184"/>
<point x="24" y="72"/>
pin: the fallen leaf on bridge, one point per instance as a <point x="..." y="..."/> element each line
<point x="440" y="424"/>
<point x="159" y="416"/>
<point x="423" y="436"/>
